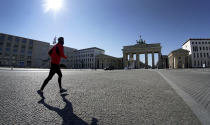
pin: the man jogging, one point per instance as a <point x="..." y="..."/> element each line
<point x="56" y="53"/>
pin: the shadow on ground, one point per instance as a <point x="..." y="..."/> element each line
<point x="67" y="114"/>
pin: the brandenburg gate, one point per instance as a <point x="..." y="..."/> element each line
<point x="141" y="48"/>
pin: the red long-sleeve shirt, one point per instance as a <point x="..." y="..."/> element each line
<point x="57" y="54"/>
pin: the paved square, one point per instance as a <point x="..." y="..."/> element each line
<point x="122" y="97"/>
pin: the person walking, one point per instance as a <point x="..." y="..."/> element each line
<point x="56" y="53"/>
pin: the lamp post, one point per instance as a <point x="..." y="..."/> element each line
<point x="12" y="62"/>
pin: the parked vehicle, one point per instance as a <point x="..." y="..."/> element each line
<point x="109" y="68"/>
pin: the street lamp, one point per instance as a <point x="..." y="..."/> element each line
<point x="12" y="62"/>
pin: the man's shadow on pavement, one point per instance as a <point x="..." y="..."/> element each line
<point x="69" y="118"/>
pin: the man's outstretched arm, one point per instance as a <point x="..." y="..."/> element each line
<point x="62" y="53"/>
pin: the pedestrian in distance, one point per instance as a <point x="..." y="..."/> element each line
<point x="56" y="53"/>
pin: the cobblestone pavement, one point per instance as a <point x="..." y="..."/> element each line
<point x="195" y="83"/>
<point x="130" y="97"/>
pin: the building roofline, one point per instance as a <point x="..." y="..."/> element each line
<point x="91" y="48"/>
<point x="178" y="50"/>
<point x="109" y="56"/>
<point x="196" y="39"/>
<point x="69" y="47"/>
<point x="25" y="38"/>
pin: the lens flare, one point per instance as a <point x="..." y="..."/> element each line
<point x="52" y="5"/>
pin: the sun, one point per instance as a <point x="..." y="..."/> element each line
<point x="52" y="5"/>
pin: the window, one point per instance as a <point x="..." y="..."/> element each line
<point x="24" y="41"/>
<point x="196" y="48"/>
<point x="192" y="42"/>
<point x="194" y="55"/>
<point x="7" y="49"/>
<point x="28" y="63"/>
<point x="180" y="57"/>
<point x="195" y="42"/>
<point x="201" y="55"/>
<point x="29" y="52"/>
<point x="200" y="48"/>
<point x="198" y="63"/>
<point x="8" y="44"/>
<point x="15" y="46"/>
<point x="9" y="38"/>
<point x="2" y="37"/>
<point x="29" y="57"/>
<point x="1" y="43"/>
<point x="17" y="40"/>
<point x="14" y="56"/>
<point x="15" y="50"/>
<point x="23" y="46"/>
<point x="205" y="42"/>
<point x="198" y="55"/>
<point x="31" y="42"/>
<point x="199" y="42"/>
<point x="22" y="51"/>
<point x="22" y="56"/>
<point x="203" y="48"/>
<point x="207" y="54"/>
<point x="202" y="42"/>
<point x="206" y="48"/>
<point x="7" y="54"/>
<point x="204" y="54"/>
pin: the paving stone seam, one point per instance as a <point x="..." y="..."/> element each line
<point x="197" y="109"/>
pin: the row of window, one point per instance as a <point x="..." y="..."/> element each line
<point x="201" y="55"/>
<point x="16" y="63"/>
<point x="15" y="45"/>
<point x="2" y="37"/>
<point x="8" y="45"/>
<point x="201" y="42"/>
<point x="16" y="57"/>
<point x="195" y="48"/>
<point x="85" y="55"/>
<point x="17" y="39"/>
<point x="7" y="50"/>
<point x="85" y="60"/>
<point x="200" y="63"/>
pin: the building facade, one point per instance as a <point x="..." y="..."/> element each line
<point x="23" y="52"/>
<point x="86" y="58"/>
<point x="103" y="61"/>
<point x="199" y="51"/>
<point x="178" y="59"/>
<point x="141" y="48"/>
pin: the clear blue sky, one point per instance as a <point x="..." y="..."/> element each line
<point x="109" y="24"/>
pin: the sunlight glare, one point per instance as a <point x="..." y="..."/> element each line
<point x="52" y="5"/>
